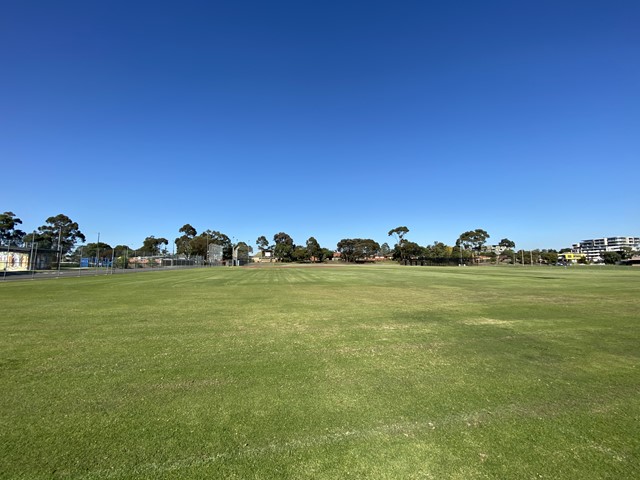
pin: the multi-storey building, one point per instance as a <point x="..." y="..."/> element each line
<point x="497" y="249"/>
<point x="594" y="248"/>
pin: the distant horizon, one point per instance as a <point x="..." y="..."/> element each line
<point x="329" y="120"/>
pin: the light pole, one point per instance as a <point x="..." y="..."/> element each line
<point x="80" y="260"/>
<point x="59" y="249"/>
<point x="207" y="252"/>
<point x="98" y="252"/>
<point x="35" y="257"/>
<point x="31" y="263"/>
<point x="234" y="255"/>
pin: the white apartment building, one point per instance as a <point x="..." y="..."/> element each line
<point x="497" y="249"/>
<point x="595" y="247"/>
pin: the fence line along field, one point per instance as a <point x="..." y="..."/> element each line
<point x="351" y="372"/>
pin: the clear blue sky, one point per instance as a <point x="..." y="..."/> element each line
<point x="330" y="119"/>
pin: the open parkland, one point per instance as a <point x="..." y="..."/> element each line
<point x="349" y="371"/>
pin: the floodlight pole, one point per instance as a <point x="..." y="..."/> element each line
<point x="206" y="261"/>
<point x="98" y="254"/>
<point x="31" y="259"/>
<point x="234" y="254"/>
<point x="80" y="261"/>
<point x="35" y="256"/>
<point x="59" y="249"/>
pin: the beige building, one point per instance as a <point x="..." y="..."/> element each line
<point x="595" y="247"/>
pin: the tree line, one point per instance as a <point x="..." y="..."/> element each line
<point x="283" y="249"/>
<point x="468" y="249"/>
<point x="61" y="234"/>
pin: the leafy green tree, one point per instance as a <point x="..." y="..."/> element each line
<point x="262" y="243"/>
<point x="549" y="257"/>
<point x="399" y="233"/>
<point x="409" y="251"/>
<point x="8" y="231"/>
<point x="474" y="239"/>
<point x="60" y="232"/>
<point x="43" y="241"/>
<point x="463" y="255"/>
<point x="314" y="250"/>
<point x="327" y="254"/>
<point x="300" y="254"/>
<point x="347" y="248"/>
<point x="283" y="250"/>
<point x="611" y="258"/>
<point x="505" y="242"/>
<point x="507" y="256"/>
<point x="184" y="242"/>
<point x="198" y="245"/>
<point x="123" y="250"/>
<point x="438" y="250"/>
<point x="188" y="230"/>
<point x="357" y="249"/>
<point x="385" y="249"/>
<point x="368" y="247"/>
<point x="92" y="250"/>
<point x="153" y="245"/>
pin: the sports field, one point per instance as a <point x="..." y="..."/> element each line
<point x="379" y="372"/>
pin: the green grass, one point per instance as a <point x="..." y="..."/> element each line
<point x="353" y="372"/>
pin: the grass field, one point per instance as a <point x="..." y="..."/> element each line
<point x="345" y="372"/>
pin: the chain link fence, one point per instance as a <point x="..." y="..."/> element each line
<point x="29" y="260"/>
